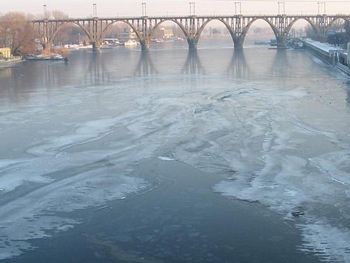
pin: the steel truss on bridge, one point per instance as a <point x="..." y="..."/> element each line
<point x="192" y="27"/>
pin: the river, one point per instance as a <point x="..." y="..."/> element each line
<point x="175" y="156"/>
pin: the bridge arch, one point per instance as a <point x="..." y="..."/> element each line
<point x="158" y="23"/>
<point x="251" y="22"/>
<point x="247" y="27"/>
<point x="312" y="24"/>
<point x="228" y="27"/>
<point x="60" y="27"/>
<point x="156" y="26"/>
<point x="57" y="30"/>
<point x="103" y="33"/>
<point x="332" y="22"/>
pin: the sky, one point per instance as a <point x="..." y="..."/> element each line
<point x="113" y="8"/>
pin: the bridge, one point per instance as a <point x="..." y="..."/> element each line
<point x="192" y="26"/>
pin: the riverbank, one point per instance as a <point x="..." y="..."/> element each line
<point x="9" y="62"/>
<point x="329" y="54"/>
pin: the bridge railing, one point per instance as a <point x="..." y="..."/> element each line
<point x="189" y="16"/>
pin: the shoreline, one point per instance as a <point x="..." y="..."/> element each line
<point x="9" y="62"/>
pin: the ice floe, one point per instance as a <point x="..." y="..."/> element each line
<point x="34" y="216"/>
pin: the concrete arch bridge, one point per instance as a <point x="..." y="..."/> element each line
<point x="192" y="26"/>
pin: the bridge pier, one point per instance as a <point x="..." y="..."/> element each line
<point x="238" y="43"/>
<point x="145" y="44"/>
<point x="192" y="44"/>
<point x="281" y="42"/>
<point x="95" y="45"/>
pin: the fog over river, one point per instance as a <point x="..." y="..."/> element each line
<point x="175" y="156"/>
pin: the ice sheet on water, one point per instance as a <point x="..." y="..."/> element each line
<point x="16" y="172"/>
<point x="33" y="216"/>
<point x="83" y="133"/>
<point x="6" y="163"/>
<point x="18" y="116"/>
<point x="310" y="130"/>
<point x="264" y="187"/>
<point x="336" y="165"/>
<point x="239" y="135"/>
<point x="258" y="142"/>
<point x="38" y="169"/>
<point x="284" y="180"/>
<point x="332" y="242"/>
<point x="293" y="186"/>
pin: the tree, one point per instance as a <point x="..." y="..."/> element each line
<point x="347" y="30"/>
<point x="216" y="31"/>
<point x="57" y="14"/>
<point x="16" y="32"/>
<point x="310" y="32"/>
<point x="337" y="38"/>
<point x="64" y="33"/>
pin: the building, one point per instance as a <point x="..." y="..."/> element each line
<point x="128" y="33"/>
<point x="167" y="32"/>
<point x="5" y="53"/>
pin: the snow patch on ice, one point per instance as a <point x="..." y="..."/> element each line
<point x="84" y="133"/>
<point x="165" y="158"/>
<point x="16" y="173"/>
<point x="336" y="165"/>
<point x="6" y="163"/>
<point x="264" y="187"/>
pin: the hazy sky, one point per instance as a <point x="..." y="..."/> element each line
<point x="83" y="8"/>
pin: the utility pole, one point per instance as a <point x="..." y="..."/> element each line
<point x="192" y="8"/>
<point x="239" y="6"/>
<point x="94" y="10"/>
<point x="318" y="7"/>
<point x="283" y="10"/>
<point x="45" y="12"/>
<point x="144" y="9"/>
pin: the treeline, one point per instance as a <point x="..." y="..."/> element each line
<point x="338" y="35"/>
<point x="17" y="31"/>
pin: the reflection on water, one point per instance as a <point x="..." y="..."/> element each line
<point x="107" y="67"/>
<point x="145" y="67"/>
<point x="239" y="66"/>
<point x="5" y="72"/>
<point x="87" y="68"/>
<point x="193" y="64"/>
<point x="281" y="64"/>
<point x="97" y="73"/>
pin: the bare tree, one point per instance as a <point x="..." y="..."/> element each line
<point x="57" y="14"/>
<point x="16" y="32"/>
<point x="64" y="33"/>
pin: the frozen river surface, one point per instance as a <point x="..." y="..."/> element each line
<point x="171" y="156"/>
